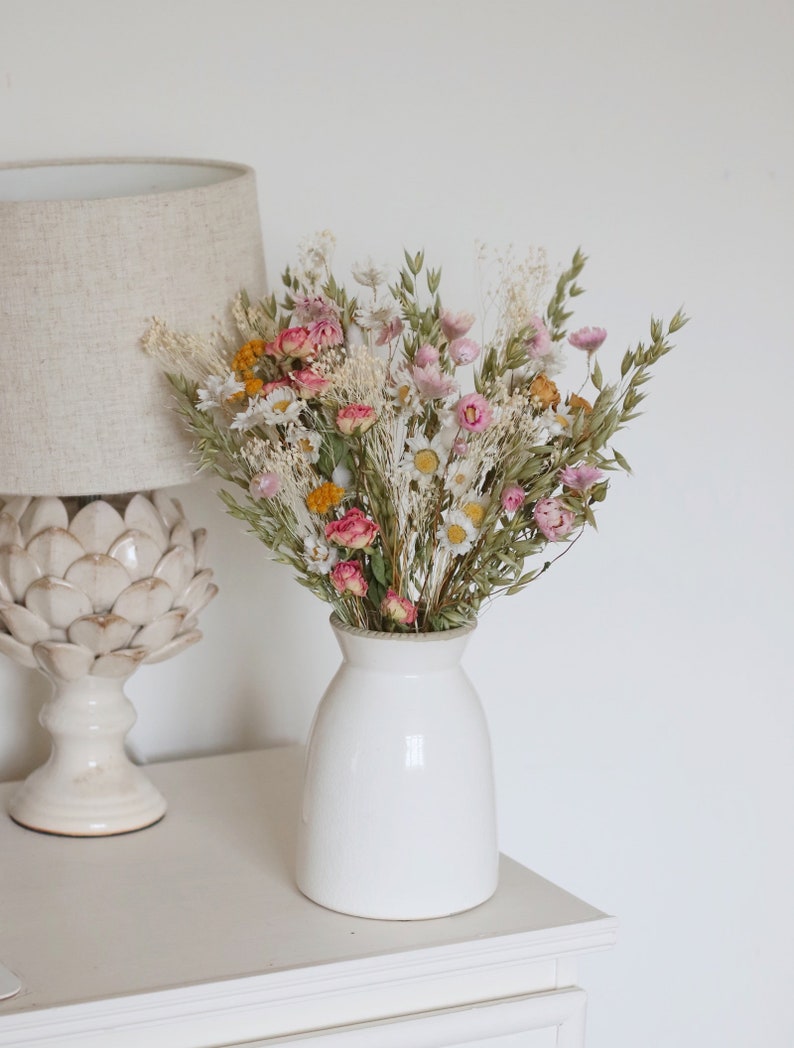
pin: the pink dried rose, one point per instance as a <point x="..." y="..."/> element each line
<point x="264" y="485"/>
<point x="580" y="478"/>
<point x="512" y="498"/>
<point x="398" y="609"/>
<point x="588" y="339"/>
<point x="308" y="383"/>
<point x="454" y="325"/>
<point x="539" y="343"/>
<point x="327" y="331"/>
<point x="291" y="342"/>
<point x="432" y="382"/>
<point x="347" y="577"/>
<point x="474" y="413"/>
<point x="268" y="387"/>
<point x="354" y="531"/>
<point x="464" y="350"/>
<point x="553" y="519"/>
<point x="389" y="331"/>
<point x="426" y="354"/>
<point x="355" y="419"/>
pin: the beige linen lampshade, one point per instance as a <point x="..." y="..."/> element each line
<point x="92" y="587"/>
<point x="90" y="251"/>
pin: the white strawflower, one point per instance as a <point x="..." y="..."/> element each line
<point x="377" y="314"/>
<point x="308" y="441"/>
<point x="249" y="418"/>
<point x="368" y="274"/>
<point x="219" y="389"/>
<point x="319" y="556"/>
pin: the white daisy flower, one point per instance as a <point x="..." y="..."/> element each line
<point x="404" y="394"/>
<point x="319" y="556"/>
<point x="308" y="441"/>
<point x="456" y="533"/>
<point x="220" y="388"/>
<point x="474" y="507"/>
<point x="459" y="476"/>
<point x="424" y="459"/>
<point x="281" y="406"/>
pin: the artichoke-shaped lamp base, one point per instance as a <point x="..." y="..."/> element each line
<point x="88" y="592"/>
<point x="88" y="787"/>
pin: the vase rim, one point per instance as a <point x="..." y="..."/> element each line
<point x="434" y="635"/>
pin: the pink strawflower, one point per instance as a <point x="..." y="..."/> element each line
<point x="539" y="345"/>
<point x="347" y="577"/>
<point x="553" y="519"/>
<point x="307" y="308"/>
<point x="389" y="331"/>
<point x="398" y="609"/>
<point x="327" y="331"/>
<point x="355" y="419"/>
<point x="512" y="498"/>
<point x="454" y="325"/>
<point x="474" y="413"/>
<point x="354" y="531"/>
<point x="588" y="339"/>
<point x="426" y="354"/>
<point x="464" y="350"/>
<point x="308" y="383"/>
<point x="580" y="478"/>
<point x="264" y="485"/>
<point x="432" y="382"/>
<point x="460" y="447"/>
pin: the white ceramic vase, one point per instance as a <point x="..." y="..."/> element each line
<point x="398" y="817"/>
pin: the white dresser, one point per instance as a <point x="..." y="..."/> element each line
<point x="191" y="934"/>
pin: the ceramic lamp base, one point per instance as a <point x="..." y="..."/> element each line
<point x="88" y="787"/>
<point x="88" y="592"/>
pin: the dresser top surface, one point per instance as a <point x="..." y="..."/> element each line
<point x="208" y="895"/>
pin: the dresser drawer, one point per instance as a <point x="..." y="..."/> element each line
<point x="547" y="1020"/>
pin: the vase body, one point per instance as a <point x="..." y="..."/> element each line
<point x="398" y="816"/>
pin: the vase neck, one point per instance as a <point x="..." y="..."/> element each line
<point x="408" y="653"/>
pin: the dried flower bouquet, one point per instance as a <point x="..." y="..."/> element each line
<point x="405" y="470"/>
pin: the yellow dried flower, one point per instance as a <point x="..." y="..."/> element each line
<point x="575" y="401"/>
<point x="325" y="497"/>
<point x="247" y="355"/>
<point x="544" y="392"/>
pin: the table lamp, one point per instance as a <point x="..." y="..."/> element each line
<point x="99" y="569"/>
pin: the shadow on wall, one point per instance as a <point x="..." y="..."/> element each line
<point x="23" y="742"/>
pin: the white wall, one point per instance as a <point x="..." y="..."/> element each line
<point x="639" y="695"/>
